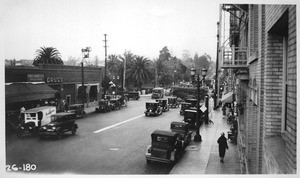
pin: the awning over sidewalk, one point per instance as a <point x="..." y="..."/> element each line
<point x="227" y="98"/>
<point x="19" y="92"/>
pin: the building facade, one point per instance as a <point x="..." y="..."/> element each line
<point x="65" y="80"/>
<point x="264" y="83"/>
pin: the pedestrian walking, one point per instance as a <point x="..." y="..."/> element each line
<point x="222" y="141"/>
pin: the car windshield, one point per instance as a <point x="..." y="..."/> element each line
<point x="151" y="105"/>
<point x="55" y="118"/>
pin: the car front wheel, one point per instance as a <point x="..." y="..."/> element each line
<point x="73" y="130"/>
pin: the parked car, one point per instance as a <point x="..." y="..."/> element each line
<point x="173" y="102"/>
<point x="193" y="102"/>
<point x="163" y="103"/>
<point x="166" y="147"/>
<point x="103" y="106"/>
<point x="153" y="108"/>
<point x="115" y="104"/>
<point x="190" y="117"/>
<point x="157" y="93"/>
<point x="133" y="95"/>
<point x="183" y="129"/>
<point x="33" y="118"/>
<point x="60" y="123"/>
<point x="78" y="109"/>
<point x="184" y="106"/>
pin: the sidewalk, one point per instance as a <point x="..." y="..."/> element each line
<point x="203" y="157"/>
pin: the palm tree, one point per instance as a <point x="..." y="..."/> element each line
<point x="47" y="55"/>
<point x="139" y="71"/>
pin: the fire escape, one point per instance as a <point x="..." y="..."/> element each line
<point x="234" y="55"/>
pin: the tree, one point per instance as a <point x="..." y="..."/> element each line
<point x="47" y="55"/>
<point x="72" y="61"/>
<point x="127" y="57"/>
<point x="139" y="72"/>
<point x="164" y="54"/>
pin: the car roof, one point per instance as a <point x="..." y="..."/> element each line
<point x="189" y="110"/>
<point x="75" y="105"/>
<point x="39" y="109"/>
<point x="151" y="102"/>
<point x="164" y="133"/>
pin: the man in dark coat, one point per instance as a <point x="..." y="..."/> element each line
<point x="222" y="141"/>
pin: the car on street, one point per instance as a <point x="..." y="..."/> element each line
<point x="166" y="147"/>
<point x="152" y="108"/>
<point x="184" y="106"/>
<point x="173" y="102"/>
<point x="163" y="103"/>
<point x="115" y="104"/>
<point x="78" y="109"/>
<point x="32" y="119"/>
<point x="103" y="106"/>
<point x="60" y="123"/>
<point x="133" y="95"/>
<point x="157" y="93"/>
<point x="183" y="129"/>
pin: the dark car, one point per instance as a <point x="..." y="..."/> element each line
<point x="133" y="95"/>
<point x="103" y="106"/>
<point x="173" y="102"/>
<point x="166" y="147"/>
<point x="183" y="129"/>
<point x="153" y="108"/>
<point x="193" y="102"/>
<point x="163" y="103"/>
<point x="78" y="109"/>
<point x="115" y="104"/>
<point x="184" y="106"/>
<point x="60" y="123"/>
<point x="190" y="117"/>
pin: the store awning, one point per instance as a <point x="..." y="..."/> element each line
<point x="20" y="92"/>
<point x="227" y="98"/>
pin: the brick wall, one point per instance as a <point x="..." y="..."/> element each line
<point x="291" y="127"/>
<point x="273" y="13"/>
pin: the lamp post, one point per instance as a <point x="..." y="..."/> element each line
<point x="197" y="137"/>
<point x="85" y="54"/>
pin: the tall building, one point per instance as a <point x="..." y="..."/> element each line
<point x="260" y="56"/>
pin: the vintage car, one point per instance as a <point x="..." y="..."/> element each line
<point x="153" y="108"/>
<point x="115" y="104"/>
<point x="60" y="123"/>
<point x="190" y="117"/>
<point x="173" y="102"/>
<point x="157" y="93"/>
<point x="184" y="106"/>
<point x="133" y="95"/>
<point x="32" y="119"/>
<point x="163" y="103"/>
<point x="122" y="101"/>
<point x="78" y="109"/>
<point x="166" y="147"/>
<point x="103" y="106"/>
<point x="183" y="129"/>
<point x="193" y="102"/>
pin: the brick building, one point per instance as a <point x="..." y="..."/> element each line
<point x="66" y="81"/>
<point x="264" y="84"/>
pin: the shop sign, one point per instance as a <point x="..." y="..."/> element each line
<point x="35" y="77"/>
<point x="54" y="80"/>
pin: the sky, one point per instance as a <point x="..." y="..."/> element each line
<point x="143" y="27"/>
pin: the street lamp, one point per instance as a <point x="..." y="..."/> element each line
<point x="198" y="137"/>
<point x="85" y="54"/>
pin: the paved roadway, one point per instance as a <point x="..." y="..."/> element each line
<point x="105" y="143"/>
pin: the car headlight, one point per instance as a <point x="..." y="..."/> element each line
<point x="150" y="110"/>
<point x="53" y="128"/>
<point x="44" y="127"/>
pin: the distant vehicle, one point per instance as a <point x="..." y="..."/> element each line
<point x="60" y="123"/>
<point x="173" y="102"/>
<point x="103" y="106"/>
<point x="163" y="103"/>
<point x="190" y="117"/>
<point x="78" y="109"/>
<point x="115" y="104"/>
<point x="34" y="118"/>
<point x="133" y="95"/>
<point x="166" y="147"/>
<point x="184" y="106"/>
<point x="153" y="108"/>
<point x="157" y="93"/>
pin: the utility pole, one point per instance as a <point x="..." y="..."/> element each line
<point x="105" y="46"/>
<point x="105" y="62"/>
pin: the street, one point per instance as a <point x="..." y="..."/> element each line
<point x="105" y="143"/>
